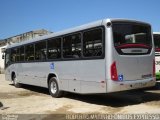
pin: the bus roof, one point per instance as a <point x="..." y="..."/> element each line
<point x="75" y="29"/>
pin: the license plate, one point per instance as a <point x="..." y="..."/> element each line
<point x="138" y="85"/>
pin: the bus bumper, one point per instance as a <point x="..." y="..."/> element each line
<point x="115" y="86"/>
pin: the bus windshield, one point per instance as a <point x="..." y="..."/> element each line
<point x="157" y="42"/>
<point x="131" y="35"/>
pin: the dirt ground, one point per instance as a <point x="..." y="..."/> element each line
<point x="36" y="100"/>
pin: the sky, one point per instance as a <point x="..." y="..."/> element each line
<point x="20" y="16"/>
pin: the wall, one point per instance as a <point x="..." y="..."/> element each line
<point x="1" y="61"/>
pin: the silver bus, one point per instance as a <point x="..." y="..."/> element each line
<point x="98" y="57"/>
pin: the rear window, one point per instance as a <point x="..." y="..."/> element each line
<point x="131" y="35"/>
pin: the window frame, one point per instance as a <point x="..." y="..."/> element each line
<point x="103" y="43"/>
<point x="54" y="38"/>
<point x="20" y="53"/>
<point x="80" y="33"/>
<point x="14" y="48"/>
<point x="119" y="51"/>
<point x="17" y="53"/>
<point x="35" y="50"/>
<point x="102" y="27"/>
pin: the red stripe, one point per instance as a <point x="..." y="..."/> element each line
<point x="157" y="49"/>
<point x="133" y="46"/>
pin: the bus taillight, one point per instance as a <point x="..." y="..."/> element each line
<point x="114" y="75"/>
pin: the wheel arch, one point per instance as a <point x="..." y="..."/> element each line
<point x="50" y="75"/>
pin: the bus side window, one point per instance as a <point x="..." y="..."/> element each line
<point x="18" y="54"/>
<point x="13" y="54"/>
<point x="92" y="43"/>
<point x="54" y="48"/>
<point x="21" y="58"/>
<point x="29" y="52"/>
<point x="72" y="46"/>
<point x="40" y="50"/>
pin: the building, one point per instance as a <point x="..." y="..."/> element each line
<point x="1" y="60"/>
<point x="27" y="36"/>
<point x="19" y="38"/>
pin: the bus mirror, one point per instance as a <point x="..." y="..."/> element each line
<point x="3" y="56"/>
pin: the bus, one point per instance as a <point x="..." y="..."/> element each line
<point x="156" y="36"/>
<point x="93" y="58"/>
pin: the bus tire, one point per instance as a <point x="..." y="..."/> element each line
<point x="54" y="88"/>
<point x="16" y="84"/>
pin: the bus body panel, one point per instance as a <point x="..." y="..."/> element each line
<point x="37" y="72"/>
<point x="133" y="71"/>
<point x="113" y="86"/>
<point x="83" y="76"/>
<point x="134" y="75"/>
<point x="73" y="76"/>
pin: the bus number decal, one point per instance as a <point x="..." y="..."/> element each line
<point x="52" y="66"/>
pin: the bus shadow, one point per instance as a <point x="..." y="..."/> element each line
<point x="121" y="99"/>
<point x="118" y="99"/>
<point x="34" y="88"/>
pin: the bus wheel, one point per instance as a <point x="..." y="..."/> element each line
<point x="54" y="89"/>
<point x="16" y="84"/>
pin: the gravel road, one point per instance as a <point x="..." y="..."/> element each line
<point x="36" y="100"/>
